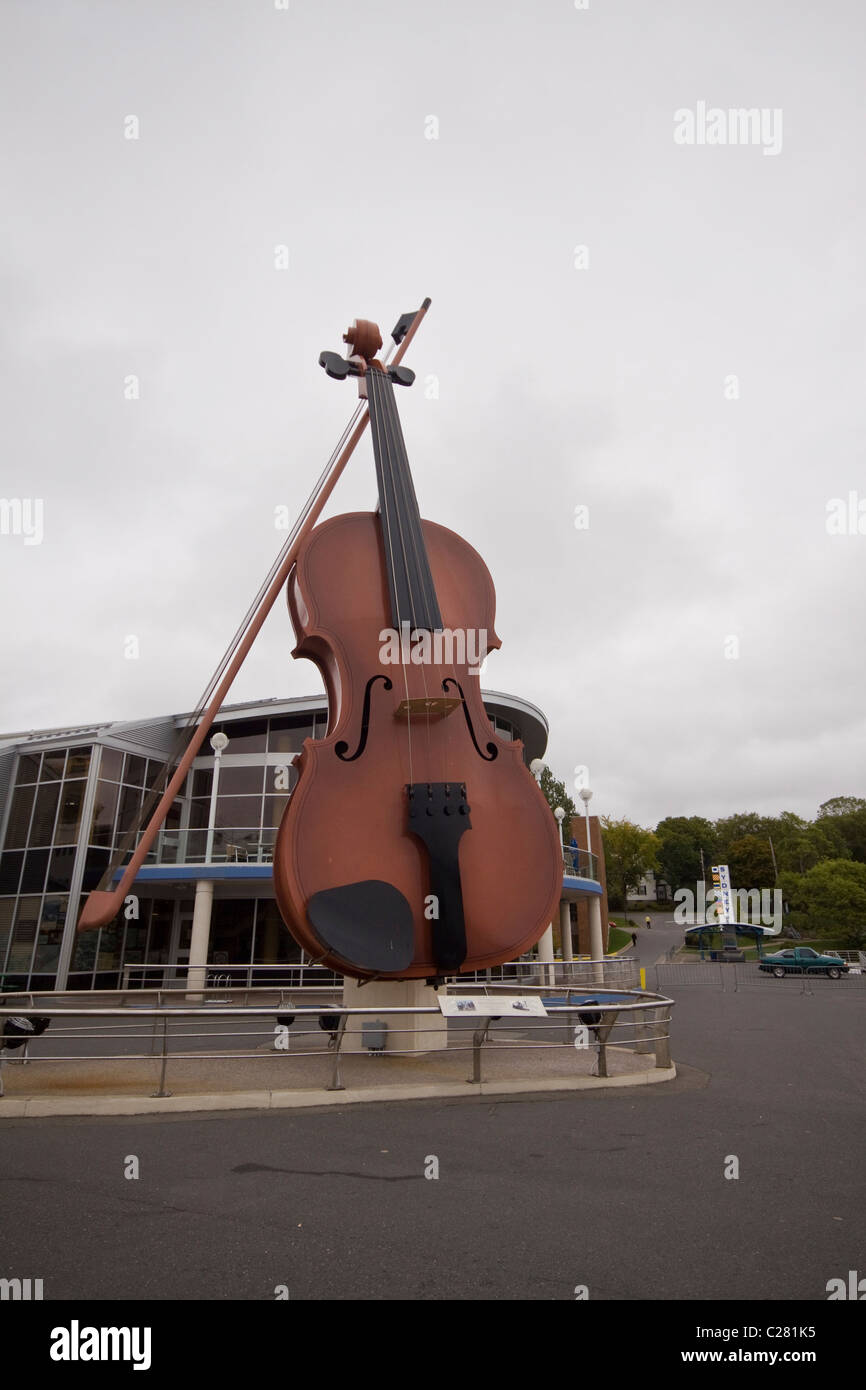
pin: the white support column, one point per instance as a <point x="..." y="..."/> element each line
<point x="565" y="930"/>
<point x="545" y="955"/>
<point x="200" y="939"/>
<point x="596" y="940"/>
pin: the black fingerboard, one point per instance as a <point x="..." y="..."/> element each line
<point x="410" y="583"/>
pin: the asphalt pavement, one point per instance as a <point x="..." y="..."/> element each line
<point x="623" y="1192"/>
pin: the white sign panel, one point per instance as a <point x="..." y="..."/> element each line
<point x="725" y="915"/>
<point x="491" y="1006"/>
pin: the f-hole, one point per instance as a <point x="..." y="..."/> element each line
<point x="342" y="748"/>
<point x="492" y="750"/>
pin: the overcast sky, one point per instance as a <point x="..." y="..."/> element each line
<point x="694" y="377"/>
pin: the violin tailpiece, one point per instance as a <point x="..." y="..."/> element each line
<point x="439" y="815"/>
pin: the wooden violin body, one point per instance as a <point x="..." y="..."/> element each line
<point x="416" y="842"/>
<point x="347" y="821"/>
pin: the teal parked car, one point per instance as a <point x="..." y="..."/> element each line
<point x="801" y="960"/>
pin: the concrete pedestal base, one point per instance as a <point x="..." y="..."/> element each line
<point x="421" y="1032"/>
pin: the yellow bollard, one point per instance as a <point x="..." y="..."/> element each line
<point x="643" y="977"/>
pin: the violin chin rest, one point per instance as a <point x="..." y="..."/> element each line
<point x="367" y="924"/>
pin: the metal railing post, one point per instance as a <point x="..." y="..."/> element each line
<point x="479" y="1037"/>
<point x="337" y="1074"/>
<point x="603" y="1032"/>
<point x="643" y="1031"/>
<point x="663" y="1038"/>
<point x="162" y="1092"/>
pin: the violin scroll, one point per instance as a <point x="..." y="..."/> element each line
<point x="364" y="339"/>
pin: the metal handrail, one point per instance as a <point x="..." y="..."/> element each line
<point x="648" y="1017"/>
<point x="579" y="863"/>
<point x="237" y="844"/>
<point x="254" y="844"/>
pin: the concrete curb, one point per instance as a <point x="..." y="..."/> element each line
<point x="42" y="1107"/>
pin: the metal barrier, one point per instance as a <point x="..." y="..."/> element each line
<point x="167" y="975"/>
<point x="623" y="971"/>
<point x="631" y="1021"/>
<point x="611" y="971"/>
<point x="734" y="976"/>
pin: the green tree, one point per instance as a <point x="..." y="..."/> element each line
<point x="751" y="863"/>
<point x="800" y="844"/>
<point x="629" y="851"/>
<point x="732" y="828"/>
<point x="846" y="816"/>
<point x="841" y="806"/>
<point x="831" y="901"/>
<point x="556" y="795"/>
<point x="681" y="839"/>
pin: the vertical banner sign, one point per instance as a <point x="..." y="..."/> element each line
<point x="724" y="898"/>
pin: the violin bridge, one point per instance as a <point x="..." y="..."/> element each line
<point x="427" y="707"/>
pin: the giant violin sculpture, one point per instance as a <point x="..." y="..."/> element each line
<point x="416" y="842"/>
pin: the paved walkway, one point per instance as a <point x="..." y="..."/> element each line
<point x="276" y="1079"/>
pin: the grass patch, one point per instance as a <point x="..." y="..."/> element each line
<point x="617" y="938"/>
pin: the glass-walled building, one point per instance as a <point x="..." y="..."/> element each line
<point x="69" y="797"/>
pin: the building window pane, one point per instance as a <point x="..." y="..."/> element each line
<point x="28" y="768"/>
<point x="23" y="935"/>
<point x="240" y="781"/>
<point x="274" y="808"/>
<point x="60" y="870"/>
<point x="104" y="812"/>
<point x="85" y="955"/>
<point x="111" y="765"/>
<point x="35" y="866"/>
<point x="162" y="914"/>
<point x="238" y="810"/>
<point x="287" y="735"/>
<point x="69" y="816"/>
<point x="281" y="778"/>
<point x="7" y="909"/>
<point x="50" y="935"/>
<point x="44" y="813"/>
<point x="135" y="768"/>
<point x="136" y="940"/>
<point x="274" y="943"/>
<point x="231" y="937"/>
<point x="78" y="762"/>
<point x="154" y="771"/>
<point x="108" y="950"/>
<point x="130" y="805"/>
<point x="94" y="867"/>
<point x="52" y="766"/>
<point x="250" y="736"/>
<point x="10" y="871"/>
<point x="19" y="817"/>
<point x="198" y="814"/>
<point x="202" y="780"/>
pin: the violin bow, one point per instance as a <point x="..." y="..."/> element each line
<point x="102" y="905"/>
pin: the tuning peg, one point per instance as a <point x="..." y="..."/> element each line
<point x="335" y="365"/>
<point x="401" y="376"/>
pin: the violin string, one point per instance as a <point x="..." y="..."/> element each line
<point x="387" y="508"/>
<point x="414" y="512"/>
<point x="414" y="509"/>
<point x="385" y="396"/>
<point x="398" y="458"/>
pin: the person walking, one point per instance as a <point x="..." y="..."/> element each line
<point x="634" y="939"/>
<point x="647" y="923"/>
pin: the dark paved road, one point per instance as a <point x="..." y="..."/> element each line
<point x="622" y="1192"/>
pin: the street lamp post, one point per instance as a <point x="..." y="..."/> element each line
<point x="596" y="938"/>
<point x="586" y="798"/>
<point x="545" y="941"/>
<point x="199" y="945"/>
<point x="218" y="743"/>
